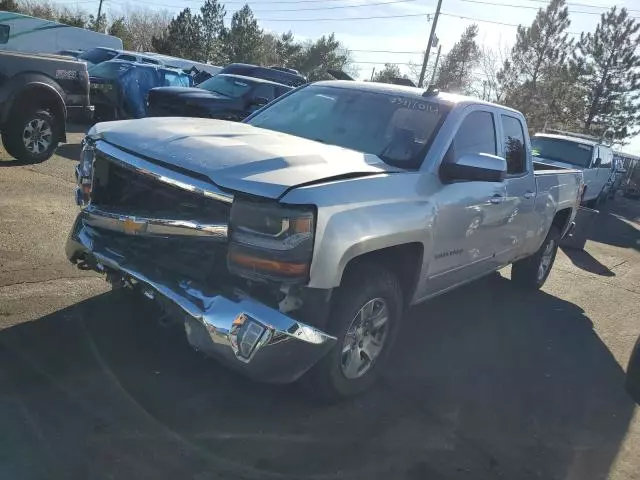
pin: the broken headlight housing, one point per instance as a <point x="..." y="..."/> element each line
<point x="84" y="172"/>
<point x="271" y="241"/>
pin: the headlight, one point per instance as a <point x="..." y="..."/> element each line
<point x="270" y="241"/>
<point x="84" y="172"/>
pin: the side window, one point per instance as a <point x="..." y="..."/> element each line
<point x="129" y="58"/>
<point x="4" y="34"/>
<point x="477" y="134"/>
<point x="515" y="152"/>
<point x="607" y="158"/>
<point x="265" y="91"/>
<point x="150" y="60"/>
<point x="281" y="91"/>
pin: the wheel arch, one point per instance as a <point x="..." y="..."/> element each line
<point x="403" y="260"/>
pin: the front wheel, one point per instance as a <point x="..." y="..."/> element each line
<point x="532" y="272"/>
<point x="365" y="319"/>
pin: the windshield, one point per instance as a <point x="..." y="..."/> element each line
<point x="560" y="150"/>
<point x="397" y="128"/>
<point x="227" y="86"/>
<point x="110" y="70"/>
<point x="98" y="55"/>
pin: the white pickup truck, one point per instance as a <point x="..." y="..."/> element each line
<point x="577" y="152"/>
<point x="290" y="245"/>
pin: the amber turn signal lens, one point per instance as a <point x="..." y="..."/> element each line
<point x="286" y="268"/>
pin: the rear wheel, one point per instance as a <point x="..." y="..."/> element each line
<point x="532" y="272"/>
<point x="365" y="319"/>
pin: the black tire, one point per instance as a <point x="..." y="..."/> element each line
<point x="361" y="284"/>
<point x="526" y="272"/>
<point x="12" y="136"/>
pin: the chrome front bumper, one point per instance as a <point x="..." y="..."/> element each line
<point x="214" y="323"/>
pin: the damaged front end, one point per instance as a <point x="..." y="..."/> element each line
<point x="231" y="270"/>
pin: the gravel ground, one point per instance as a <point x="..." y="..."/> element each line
<point x="485" y="382"/>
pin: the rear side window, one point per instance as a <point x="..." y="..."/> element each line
<point x="606" y="158"/>
<point x="264" y="91"/>
<point x="4" y="34"/>
<point x="514" y="150"/>
<point x="477" y="134"/>
<point x="149" y="60"/>
<point x="129" y="58"/>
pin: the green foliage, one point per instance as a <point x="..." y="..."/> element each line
<point x="9" y="6"/>
<point x="118" y="28"/>
<point x="183" y="37"/>
<point x="77" y="19"/>
<point x="456" y="68"/>
<point x="316" y="57"/>
<point x="243" y="40"/>
<point x="537" y="77"/>
<point x="609" y="73"/>
<point x="97" y="24"/>
<point x="212" y="25"/>
<point x="387" y="74"/>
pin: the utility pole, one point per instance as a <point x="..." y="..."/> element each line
<point x="431" y="35"/>
<point x="99" y="13"/>
<point x="372" y="73"/>
<point x="435" y="67"/>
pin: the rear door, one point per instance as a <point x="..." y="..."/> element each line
<point x="519" y="203"/>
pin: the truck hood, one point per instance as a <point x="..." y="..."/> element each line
<point x="556" y="163"/>
<point x="238" y="156"/>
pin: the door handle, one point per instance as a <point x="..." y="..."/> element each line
<point x="496" y="199"/>
<point x="529" y="194"/>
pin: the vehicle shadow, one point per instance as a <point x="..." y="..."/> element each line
<point x="611" y="227"/>
<point x="70" y="151"/>
<point x="484" y="382"/>
<point x="584" y="260"/>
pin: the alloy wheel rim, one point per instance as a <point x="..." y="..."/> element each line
<point x="37" y="136"/>
<point x="364" y="339"/>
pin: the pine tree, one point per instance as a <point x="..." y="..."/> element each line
<point x="183" y="37"/>
<point x="212" y="14"/>
<point x="538" y="62"/>
<point x="118" y="28"/>
<point x="317" y="57"/>
<point x="243" y="38"/>
<point x="610" y="75"/>
<point x="9" y="6"/>
<point x="455" y="72"/>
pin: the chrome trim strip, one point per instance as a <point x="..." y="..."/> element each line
<point x="162" y="174"/>
<point x="145" y="226"/>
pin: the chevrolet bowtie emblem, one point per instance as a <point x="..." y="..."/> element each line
<point x="131" y="226"/>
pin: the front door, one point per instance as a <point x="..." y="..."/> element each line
<point x="469" y="214"/>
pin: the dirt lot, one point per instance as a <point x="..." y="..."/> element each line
<point x="485" y="382"/>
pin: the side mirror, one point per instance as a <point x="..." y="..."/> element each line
<point x="597" y="163"/>
<point x="259" y="101"/>
<point x="474" y="167"/>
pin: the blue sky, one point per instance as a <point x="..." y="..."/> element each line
<point x="392" y="32"/>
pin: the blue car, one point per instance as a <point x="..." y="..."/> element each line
<point x="119" y="89"/>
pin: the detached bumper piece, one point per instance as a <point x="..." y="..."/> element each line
<point x="241" y="332"/>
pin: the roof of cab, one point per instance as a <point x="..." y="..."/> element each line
<point x="441" y="97"/>
<point x="253" y="79"/>
<point x="583" y="141"/>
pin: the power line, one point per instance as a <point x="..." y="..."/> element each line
<point x="341" y="19"/>
<point x="386" y="51"/>
<point x="528" y="7"/>
<point x="334" y="7"/>
<point x="588" y="5"/>
<point x="455" y="15"/>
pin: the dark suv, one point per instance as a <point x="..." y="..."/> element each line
<point x="282" y="75"/>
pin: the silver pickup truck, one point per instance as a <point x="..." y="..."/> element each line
<point x="290" y="245"/>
